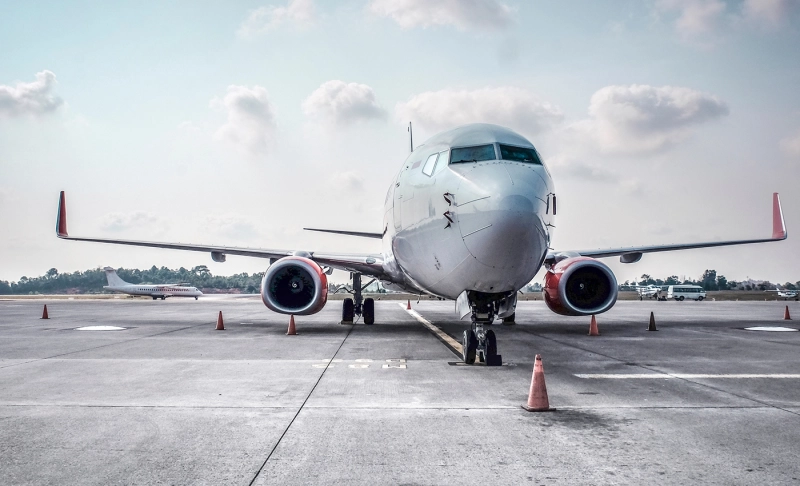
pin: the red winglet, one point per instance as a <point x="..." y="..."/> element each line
<point x="778" y="224"/>
<point x="61" y="222"/>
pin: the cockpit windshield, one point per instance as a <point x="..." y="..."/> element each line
<point x="519" y="154"/>
<point x="472" y="154"/>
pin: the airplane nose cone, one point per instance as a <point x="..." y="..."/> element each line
<point x="498" y="212"/>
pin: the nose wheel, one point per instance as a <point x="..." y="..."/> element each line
<point x="481" y="344"/>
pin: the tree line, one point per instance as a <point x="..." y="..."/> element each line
<point x="710" y="281"/>
<point x="92" y="281"/>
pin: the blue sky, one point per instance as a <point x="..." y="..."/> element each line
<point x="240" y="123"/>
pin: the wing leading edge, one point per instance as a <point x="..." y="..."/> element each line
<point x="634" y="254"/>
<point x="367" y="264"/>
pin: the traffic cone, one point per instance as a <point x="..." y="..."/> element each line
<point x="44" y="312"/>
<point x="220" y="324"/>
<point x="408" y="306"/>
<point x="292" y="331"/>
<point x="786" y="316"/>
<point x="537" y="397"/>
<point x="593" y="327"/>
<point x="652" y="326"/>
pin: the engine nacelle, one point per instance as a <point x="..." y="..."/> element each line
<point x="294" y="285"/>
<point x="580" y="286"/>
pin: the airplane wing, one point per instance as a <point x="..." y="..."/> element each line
<point x="366" y="264"/>
<point x="634" y="253"/>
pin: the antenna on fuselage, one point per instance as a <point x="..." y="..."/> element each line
<point x="410" y="137"/>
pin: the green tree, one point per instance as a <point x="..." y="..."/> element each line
<point x="709" y="280"/>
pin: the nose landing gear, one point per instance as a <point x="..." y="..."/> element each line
<point x="480" y="343"/>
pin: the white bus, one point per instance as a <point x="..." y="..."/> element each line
<point x="682" y="292"/>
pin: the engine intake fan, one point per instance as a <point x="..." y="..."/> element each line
<point x="580" y="286"/>
<point x="294" y="285"/>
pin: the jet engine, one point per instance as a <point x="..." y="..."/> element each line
<point x="294" y="285"/>
<point x="580" y="286"/>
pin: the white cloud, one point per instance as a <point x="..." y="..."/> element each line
<point x="695" y="17"/>
<point x="791" y="145"/>
<point x="463" y="14"/>
<point x="771" y="13"/>
<point x="133" y="220"/>
<point x="34" y="98"/>
<point x="508" y="106"/>
<point x="251" y="118"/>
<point x="348" y="182"/>
<point x="337" y="102"/>
<point x="300" y="13"/>
<point x="641" y="118"/>
<point x="231" y="225"/>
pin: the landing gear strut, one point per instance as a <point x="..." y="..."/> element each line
<point x="358" y="306"/>
<point x="480" y="343"/>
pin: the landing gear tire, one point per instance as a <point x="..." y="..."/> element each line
<point x="510" y="320"/>
<point x="369" y="311"/>
<point x="164" y="297"/>
<point x="348" y="311"/>
<point x="155" y="298"/>
<point x="470" y="345"/>
<point x="491" y="357"/>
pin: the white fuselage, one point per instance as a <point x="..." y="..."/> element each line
<point x="482" y="226"/>
<point x="159" y="291"/>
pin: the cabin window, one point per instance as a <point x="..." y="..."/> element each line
<point x="519" y="154"/>
<point x="427" y="169"/>
<point x="472" y="154"/>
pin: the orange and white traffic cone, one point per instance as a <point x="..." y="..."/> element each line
<point x="593" y="328"/>
<point x="292" y="331"/>
<point x="44" y="312"/>
<point x="786" y="316"/>
<point x="408" y="306"/>
<point x="220" y="324"/>
<point x="537" y="397"/>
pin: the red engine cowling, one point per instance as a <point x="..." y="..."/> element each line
<point x="294" y="285"/>
<point x="580" y="286"/>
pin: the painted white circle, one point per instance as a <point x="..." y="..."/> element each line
<point x="770" y="329"/>
<point x="100" y="328"/>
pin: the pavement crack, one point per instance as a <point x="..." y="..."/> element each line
<point x="302" y="405"/>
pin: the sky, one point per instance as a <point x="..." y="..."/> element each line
<point x="240" y="123"/>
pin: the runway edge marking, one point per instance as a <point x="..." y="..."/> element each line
<point x="445" y="338"/>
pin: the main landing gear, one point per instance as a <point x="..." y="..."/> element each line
<point x="480" y="343"/>
<point x="357" y="306"/>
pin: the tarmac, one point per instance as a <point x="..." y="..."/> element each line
<point x="170" y="400"/>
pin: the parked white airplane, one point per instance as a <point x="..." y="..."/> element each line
<point x="786" y="293"/>
<point x="116" y="284"/>
<point x="469" y="217"/>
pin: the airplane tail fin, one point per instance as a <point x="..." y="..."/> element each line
<point x="113" y="278"/>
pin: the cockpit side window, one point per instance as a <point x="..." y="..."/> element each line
<point x="442" y="162"/>
<point x="427" y="169"/>
<point x="519" y="154"/>
<point x="472" y="154"/>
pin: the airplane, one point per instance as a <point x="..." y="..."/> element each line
<point x="786" y="293"/>
<point x="116" y="284"/>
<point x="648" y="291"/>
<point x="469" y="217"/>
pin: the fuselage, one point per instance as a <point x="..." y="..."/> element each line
<point x="471" y="209"/>
<point x="156" y="290"/>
